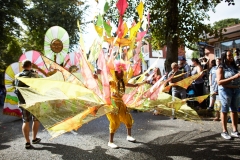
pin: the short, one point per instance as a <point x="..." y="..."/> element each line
<point x="26" y="115"/>
<point x="123" y="116"/>
<point x="213" y="96"/>
<point x="230" y="99"/>
<point x="179" y="93"/>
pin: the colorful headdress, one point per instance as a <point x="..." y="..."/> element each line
<point x="120" y="65"/>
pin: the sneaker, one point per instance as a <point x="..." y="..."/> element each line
<point x="225" y="135"/>
<point x="112" y="145"/>
<point x="173" y="118"/>
<point x="235" y="134"/>
<point x="210" y="109"/>
<point x="131" y="139"/>
<point x="155" y="112"/>
<point x="28" y="145"/>
<point x="37" y="140"/>
<point x="216" y="119"/>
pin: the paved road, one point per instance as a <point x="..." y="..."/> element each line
<point x="158" y="137"/>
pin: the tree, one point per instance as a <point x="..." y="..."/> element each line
<point x="37" y="16"/>
<point x="177" y="22"/>
<point x="195" y="53"/>
<point x="43" y="14"/>
<point x="10" y="49"/>
<point x="225" y="23"/>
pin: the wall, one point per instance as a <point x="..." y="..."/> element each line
<point x="151" y="56"/>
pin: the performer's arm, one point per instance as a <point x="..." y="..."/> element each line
<point x="39" y="69"/>
<point x="135" y="85"/>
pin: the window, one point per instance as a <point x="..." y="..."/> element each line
<point x="227" y="45"/>
<point x="157" y="53"/>
<point x="237" y="43"/>
<point x="217" y="45"/>
<point x="217" y="53"/>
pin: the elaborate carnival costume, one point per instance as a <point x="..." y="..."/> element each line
<point x="117" y="86"/>
<point x="84" y="99"/>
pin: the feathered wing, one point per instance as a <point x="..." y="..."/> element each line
<point x="147" y="99"/>
<point x="61" y="106"/>
<point x="104" y="78"/>
<point x="68" y="77"/>
<point x="88" y="77"/>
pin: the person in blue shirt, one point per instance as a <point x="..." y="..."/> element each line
<point x="213" y="83"/>
<point x="228" y="79"/>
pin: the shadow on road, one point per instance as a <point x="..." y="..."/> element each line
<point x="70" y="152"/>
<point x="141" y="120"/>
<point x="185" y="144"/>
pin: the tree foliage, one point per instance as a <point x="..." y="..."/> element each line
<point x="43" y="14"/>
<point x="37" y="17"/>
<point x="176" y="22"/>
<point x="9" y="31"/>
<point x="225" y="23"/>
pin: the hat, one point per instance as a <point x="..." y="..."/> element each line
<point x="120" y="65"/>
<point x="182" y="59"/>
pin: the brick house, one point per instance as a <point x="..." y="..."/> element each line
<point x="231" y="42"/>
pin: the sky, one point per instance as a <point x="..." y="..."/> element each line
<point x="223" y="11"/>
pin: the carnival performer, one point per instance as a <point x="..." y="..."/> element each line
<point x="118" y="85"/>
<point x="228" y="80"/>
<point x="26" y="115"/>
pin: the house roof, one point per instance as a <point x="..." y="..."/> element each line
<point x="232" y="32"/>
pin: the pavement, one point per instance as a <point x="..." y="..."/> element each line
<point x="158" y="137"/>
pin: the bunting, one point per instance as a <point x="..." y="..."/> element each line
<point x="122" y="6"/>
<point x="140" y="10"/>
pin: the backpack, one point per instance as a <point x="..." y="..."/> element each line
<point x="18" y="83"/>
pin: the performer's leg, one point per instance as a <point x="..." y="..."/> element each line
<point x="25" y="131"/>
<point x="114" y="124"/>
<point x="126" y="118"/>
<point x="111" y="136"/>
<point x="25" y="127"/>
<point x="35" y="127"/>
<point x="129" y="131"/>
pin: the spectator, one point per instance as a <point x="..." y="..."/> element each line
<point x="212" y="81"/>
<point x="204" y="63"/>
<point x="185" y="67"/>
<point x="177" y="91"/>
<point x="205" y="67"/>
<point x="237" y="58"/>
<point x="156" y="75"/>
<point x="228" y="80"/>
<point x="198" y="84"/>
<point x="214" y="98"/>
<point x="2" y="95"/>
